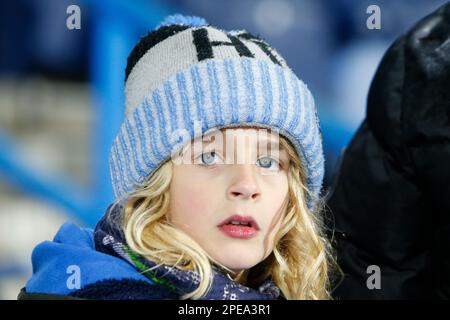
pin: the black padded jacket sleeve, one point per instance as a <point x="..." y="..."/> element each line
<point x="391" y="196"/>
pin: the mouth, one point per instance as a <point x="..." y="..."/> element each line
<point x="241" y="227"/>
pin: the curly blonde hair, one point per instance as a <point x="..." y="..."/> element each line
<point x="300" y="263"/>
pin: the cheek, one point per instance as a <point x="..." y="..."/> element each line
<point x="275" y="225"/>
<point x="192" y="201"/>
<point x="277" y="192"/>
<point x="187" y="200"/>
<point x="276" y="206"/>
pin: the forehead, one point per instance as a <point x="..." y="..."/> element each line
<point x="248" y="134"/>
<point x="254" y="139"/>
<point x="237" y="142"/>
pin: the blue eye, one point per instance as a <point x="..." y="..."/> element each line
<point x="267" y="162"/>
<point x="208" y="157"/>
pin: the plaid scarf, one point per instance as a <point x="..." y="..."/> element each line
<point x="110" y="239"/>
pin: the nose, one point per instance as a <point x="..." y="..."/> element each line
<point x="244" y="185"/>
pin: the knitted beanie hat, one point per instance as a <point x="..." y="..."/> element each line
<point x="187" y="72"/>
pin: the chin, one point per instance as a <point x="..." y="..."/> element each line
<point x="236" y="264"/>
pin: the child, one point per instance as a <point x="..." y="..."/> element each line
<point x="199" y="220"/>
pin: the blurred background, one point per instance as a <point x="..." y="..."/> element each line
<point x="61" y="94"/>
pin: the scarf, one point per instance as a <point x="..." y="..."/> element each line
<point x="110" y="239"/>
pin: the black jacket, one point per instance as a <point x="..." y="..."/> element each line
<point x="391" y="195"/>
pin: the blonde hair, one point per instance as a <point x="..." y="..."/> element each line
<point x="301" y="261"/>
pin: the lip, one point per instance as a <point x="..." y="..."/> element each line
<point x="240" y="232"/>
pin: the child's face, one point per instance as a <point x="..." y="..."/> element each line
<point x="212" y="189"/>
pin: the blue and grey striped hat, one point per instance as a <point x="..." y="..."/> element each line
<point x="188" y="72"/>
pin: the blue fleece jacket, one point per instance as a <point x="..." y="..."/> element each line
<point x="74" y="246"/>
